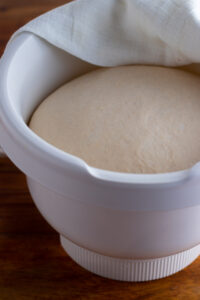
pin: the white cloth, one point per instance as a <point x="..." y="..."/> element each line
<point x="117" y="32"/>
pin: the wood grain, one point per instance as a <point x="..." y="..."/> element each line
<point x="32" y="263"/>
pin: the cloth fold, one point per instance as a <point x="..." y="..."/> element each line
<point x="118" y="32"/>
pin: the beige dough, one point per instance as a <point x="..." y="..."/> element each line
<point x="135" y="119"/>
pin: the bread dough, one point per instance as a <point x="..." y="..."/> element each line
<point x="135" y="119"/>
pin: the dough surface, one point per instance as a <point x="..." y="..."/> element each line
<point x="135" y="119"/>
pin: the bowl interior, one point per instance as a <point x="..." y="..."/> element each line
<point x="36" y="70"/>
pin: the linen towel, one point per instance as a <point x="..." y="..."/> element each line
<point x="117" y="32"/>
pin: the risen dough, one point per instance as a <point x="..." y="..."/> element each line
<point x="137" y="119"/>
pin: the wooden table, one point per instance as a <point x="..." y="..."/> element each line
<point x="32" y="263"/>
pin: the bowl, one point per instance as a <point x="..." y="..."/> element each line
<point x="131" y="227"/>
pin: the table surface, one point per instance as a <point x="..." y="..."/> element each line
<point x="32" y="263"/>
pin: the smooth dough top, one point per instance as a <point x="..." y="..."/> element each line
<point x="135" y="119"/>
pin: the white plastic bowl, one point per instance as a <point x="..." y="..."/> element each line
<point x="123" y="226"/>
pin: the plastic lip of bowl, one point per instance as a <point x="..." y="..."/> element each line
<point x="44" y="153"/>
<point x="30" y="137"/>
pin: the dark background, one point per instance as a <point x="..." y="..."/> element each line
<point x="32" y="262"/>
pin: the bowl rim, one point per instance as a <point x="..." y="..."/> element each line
<point x="19" y="130"/>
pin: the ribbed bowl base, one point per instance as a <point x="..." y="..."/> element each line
<point x="129" y="269"/>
